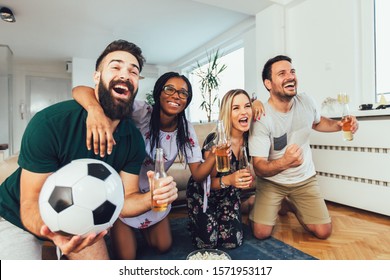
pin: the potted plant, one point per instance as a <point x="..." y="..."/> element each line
<point x="149" y="98"/>
<point x="209" y="81"/>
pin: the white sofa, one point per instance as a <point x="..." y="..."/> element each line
<point x="179" y="172"/>
<point x="8" y="166"/>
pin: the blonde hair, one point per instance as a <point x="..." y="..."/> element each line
<point x="225" y="110"/>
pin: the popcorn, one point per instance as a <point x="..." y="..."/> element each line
<point x="209" y="256"/>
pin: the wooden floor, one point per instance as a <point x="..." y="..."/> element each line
<point x="357" y="234"/>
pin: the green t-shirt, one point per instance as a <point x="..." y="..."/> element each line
<point x="57" y="135"/>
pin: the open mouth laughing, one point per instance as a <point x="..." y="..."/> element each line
<point x="290" y="85"/>
<point x="244" y="121"/>
<point x="122" y="89"/>
<point x="173" y="104"/>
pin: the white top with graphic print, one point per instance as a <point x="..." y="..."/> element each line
<point x="275" y="131"/>
<point x="141" y="116"/>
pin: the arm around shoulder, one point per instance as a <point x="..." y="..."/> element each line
<point x="99" y="128"/>
<point x="85" y="96"/>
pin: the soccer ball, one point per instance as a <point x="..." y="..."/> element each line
<point x="85" y="196"/>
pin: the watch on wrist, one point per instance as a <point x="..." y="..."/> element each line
<point x="223" y="186"/>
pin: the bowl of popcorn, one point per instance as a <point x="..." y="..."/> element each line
<point x="208" y="254"/>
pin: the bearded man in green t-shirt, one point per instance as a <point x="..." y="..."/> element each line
<point x="57" y="135"/>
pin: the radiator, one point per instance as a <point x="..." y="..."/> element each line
<point x="356" y="173"/>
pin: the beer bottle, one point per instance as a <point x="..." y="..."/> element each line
<point x="159" y="172"/>
<point x="243" y="162"/>
<point x="222" y="159"/>
<point x="346" y="119"/>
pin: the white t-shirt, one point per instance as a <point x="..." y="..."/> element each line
<point x="275" y="131"/>
<point x="141" y="116"/>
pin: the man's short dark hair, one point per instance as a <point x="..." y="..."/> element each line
<point x="266" y="75"/>
<point x="122" y="45"/>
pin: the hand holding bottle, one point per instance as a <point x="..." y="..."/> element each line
<point x="348" y="122"/>
<point x="346" y="117"/>
<point x="242" y="179"/>
<point x="222" y="158"/>
<point x="165" y="194"/>
<point x="244" y="167"/>
<point x="162" y="187"/>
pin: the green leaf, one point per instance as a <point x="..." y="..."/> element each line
<point x="209" y="80"/>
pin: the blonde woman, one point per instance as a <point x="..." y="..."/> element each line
<point x="219" y="222"/>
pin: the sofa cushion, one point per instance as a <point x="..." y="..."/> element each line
<point x="7" y="167"/>
<point x="178" y="171"/>
<point x="201" y="130"/>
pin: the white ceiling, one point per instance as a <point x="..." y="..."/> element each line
<point x="166" y="30"/>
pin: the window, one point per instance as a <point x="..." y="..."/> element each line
<point x="382" y="47"/>
<point x="231" y="78"/>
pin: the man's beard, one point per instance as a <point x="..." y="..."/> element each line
<point x="285" y="97"/>
<point x="116" y="109"/>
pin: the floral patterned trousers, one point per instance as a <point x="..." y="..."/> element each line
<point x="221" y="224"/>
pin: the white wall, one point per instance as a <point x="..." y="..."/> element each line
<point x="4" y="124"/>
<point x="5" y="71"/>
<point x="250" y="68"/>
<point x="330" y="42"/>
<point x="19" y="93"/>
<point x="82" y="71"/>
<point x="326" y="53"/>
<point x="270" y="42"/>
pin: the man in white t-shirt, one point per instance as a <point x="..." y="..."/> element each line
<point x="282" y="159"/>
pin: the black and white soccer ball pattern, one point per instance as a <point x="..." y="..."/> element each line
<point x="84" y="196"/>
